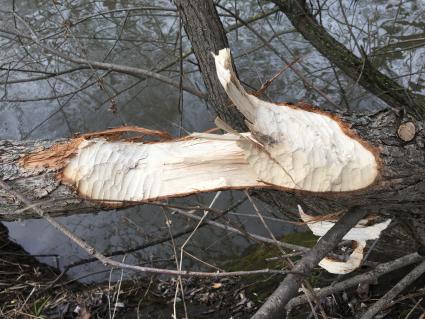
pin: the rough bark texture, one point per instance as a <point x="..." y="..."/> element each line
<point x="207" y="35"/>
<point x="39" y="185"/>
<point x="361" y="70"/>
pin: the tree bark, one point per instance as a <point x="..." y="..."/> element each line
<point x="40" y="186"/>
<point x="207" y="35"/>
<point x="358" y="69"/>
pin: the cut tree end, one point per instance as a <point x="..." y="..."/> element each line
<point x="303" y="149"/>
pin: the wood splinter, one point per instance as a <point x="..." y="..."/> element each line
<point x="359" y="234"/>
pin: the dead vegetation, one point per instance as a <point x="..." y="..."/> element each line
<point x="375" y="159"/>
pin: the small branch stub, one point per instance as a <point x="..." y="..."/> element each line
<point x="406" y="131"/>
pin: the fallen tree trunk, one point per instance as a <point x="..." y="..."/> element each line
<point x="208" y="165"/>
<point x="399" y="146"/>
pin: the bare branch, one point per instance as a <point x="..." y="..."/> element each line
<point x="275" y="305"/>
<point x="369" y="276"/>
<point x="360" y="69"/>
<point x="390" y="295"/>
<point x="110" y="262"/>
<point x="106" y="66"/>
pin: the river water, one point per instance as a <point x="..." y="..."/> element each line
<point x="392" y="31"/>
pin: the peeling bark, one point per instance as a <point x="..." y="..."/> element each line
<point x="360" y="233"/>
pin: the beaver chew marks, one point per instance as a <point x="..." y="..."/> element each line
<point x="301" y="149"/>
<point x="123" y="171"/>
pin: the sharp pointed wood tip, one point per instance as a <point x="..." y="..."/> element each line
<point x="223" y="65"/>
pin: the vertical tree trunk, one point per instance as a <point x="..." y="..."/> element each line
<point x="206" y="33"/>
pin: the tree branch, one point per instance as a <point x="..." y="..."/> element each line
<point x="106" y="66"/>
<point x="275" y="305"/>
<point x="116" y="264"/>
<point x="206" y="33"/>
<point x="369" y="276"/>
<point x="359" y="69"/>
<point x="390" y="295"/>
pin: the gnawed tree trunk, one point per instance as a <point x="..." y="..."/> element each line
<point x="400" y="188"/>
<point x="204" y="165"/>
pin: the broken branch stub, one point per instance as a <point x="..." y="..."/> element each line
<point x="301" y="149"/>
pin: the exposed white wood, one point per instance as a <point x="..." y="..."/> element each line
<point x="286" y="147"/>
<point x="359" y="233"/>
<point x="344" y="267"/>
<point x="122" y="171"/>
<point x="303" y="150"/>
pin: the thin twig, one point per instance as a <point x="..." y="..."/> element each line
<point x="393" y="292"/>
<point x="107" y="261"/>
